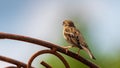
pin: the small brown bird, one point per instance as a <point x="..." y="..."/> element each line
<point x="73" y="36"/>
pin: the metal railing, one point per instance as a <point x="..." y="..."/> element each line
<point x="53" y="49"/>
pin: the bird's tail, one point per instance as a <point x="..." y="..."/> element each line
<point x="89" y="52"/>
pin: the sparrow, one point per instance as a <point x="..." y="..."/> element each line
<point x="73" y="36"/>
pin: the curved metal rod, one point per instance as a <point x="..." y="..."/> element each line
<point x="12" y="61"/>
<point x="48" y="51"/>
<point x="48" y="45"/>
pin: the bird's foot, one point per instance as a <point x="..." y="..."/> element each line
<point x="67" y="48"/>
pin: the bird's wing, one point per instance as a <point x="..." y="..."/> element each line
<point x="75" y="38"/>
<point x="78" y="38"/>
<point x="82" y="40"/>
<point x="73" y="35"/>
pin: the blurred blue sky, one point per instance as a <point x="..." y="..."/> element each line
<point x="43" y="19"/>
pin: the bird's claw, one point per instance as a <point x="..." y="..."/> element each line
<point x="67" y="48"/>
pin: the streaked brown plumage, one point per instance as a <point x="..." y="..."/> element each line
<point x="73" y="36"/>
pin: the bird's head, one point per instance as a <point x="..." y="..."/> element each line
<point x="68" y="23"/>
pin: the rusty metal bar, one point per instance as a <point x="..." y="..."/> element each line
<point x="48" y="45"/>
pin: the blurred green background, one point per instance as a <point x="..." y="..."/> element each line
<point x="97" y="20"/>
